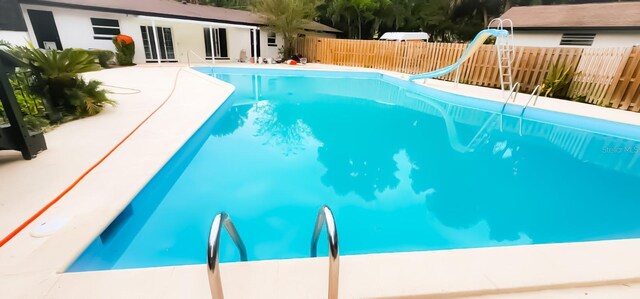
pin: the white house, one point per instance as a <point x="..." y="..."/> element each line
<point x="163" y="30"/>
<point x="615" y="24"/>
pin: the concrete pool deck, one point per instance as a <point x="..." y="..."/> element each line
<point x="31" y="267"/>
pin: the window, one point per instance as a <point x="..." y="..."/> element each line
<point x="165" y="43"/>
<point x="271" y="39"/>
<point x="219" y="43"/>
<point x="577" y="39"/>
<point x="105" y="28"/>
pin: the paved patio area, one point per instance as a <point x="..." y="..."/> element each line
<point x="73" y="147"/>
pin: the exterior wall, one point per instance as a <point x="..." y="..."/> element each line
<point x="238" y="39"/>
<point x="617" y="39"/>
<point x="186" y="37"/>
<point x="552" y="38"/>
<point x="75" y="30"/>
<point x="15" y="37"/>
<point x="267" y="51"/>
<point x="190" y="37"/>
<point x="536" y="39"/>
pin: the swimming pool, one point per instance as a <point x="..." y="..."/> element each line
<point x="404" y="168"/>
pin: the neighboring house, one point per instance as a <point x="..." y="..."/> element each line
<point x="587" y="25"/>
<point x="180" y="29"/>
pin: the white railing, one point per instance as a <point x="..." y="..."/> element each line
<point x="211" y="63"/>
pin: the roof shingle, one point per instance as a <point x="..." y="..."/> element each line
<point x="595" y="15"/>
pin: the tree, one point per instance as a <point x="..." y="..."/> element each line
<point x="286" y="17"/>
<point x="354" y="17"/>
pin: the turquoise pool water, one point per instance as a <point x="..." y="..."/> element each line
<point x="404" y="168"/>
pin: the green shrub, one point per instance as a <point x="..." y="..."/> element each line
<point x="105" y="57"/>
<point x="55" y="77"/>
<point x="125" y="49"/>
<point x="88" y="98"/>
<point x="580" y="99"/>
<point x="35" y="123"/>
<point x="556" y="84"/>
<point x="31" y="106"/>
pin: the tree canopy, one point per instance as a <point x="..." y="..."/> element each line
<point x="286" y="17"/>
<point x="445" y="20"/>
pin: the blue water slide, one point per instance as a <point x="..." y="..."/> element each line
<point x="475" y="44"/>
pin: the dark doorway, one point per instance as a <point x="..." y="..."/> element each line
<point x="252" y="47"/>
<point x="44" y="26"/>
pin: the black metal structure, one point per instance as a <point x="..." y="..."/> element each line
<point x="15" y="135"/>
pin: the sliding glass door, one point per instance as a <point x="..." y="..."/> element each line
<point x="165" y="39"/>
<point x="219" y="43"/>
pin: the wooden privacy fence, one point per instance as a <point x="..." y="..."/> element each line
<point x="604" y="76"/>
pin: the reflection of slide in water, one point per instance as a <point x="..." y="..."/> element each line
<point x="450" y="125"/>
<point x="477" y="42"/>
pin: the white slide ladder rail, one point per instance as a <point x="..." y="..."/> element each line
<point x="506" y="53"/>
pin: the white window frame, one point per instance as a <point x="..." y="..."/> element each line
<point x="163" y="45"/>
<point x="275" y="39"/>
<point x="104" y="36"/>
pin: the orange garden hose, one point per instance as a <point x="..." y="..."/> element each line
<point x="84" y="174"/>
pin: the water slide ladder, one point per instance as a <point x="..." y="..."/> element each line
<point x="324" y="218"/>
<point x="506" y="52"/>
<point x="502" y="30"/>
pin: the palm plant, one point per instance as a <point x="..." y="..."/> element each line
<point x="88" y="98"/>
<point x="52" y="63"/>
<point x="55" y="77"/>
<point x="557" y="82"/>
<point x="286" y="17"/>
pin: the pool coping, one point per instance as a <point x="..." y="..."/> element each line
<point x="33" y="264"/>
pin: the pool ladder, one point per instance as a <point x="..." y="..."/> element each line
<point x="535" y="94"/>
<point x="325" y="217"/>
<point x="213" y="248"/>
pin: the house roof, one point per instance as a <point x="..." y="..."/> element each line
<point x="171" y="9"/>
<point x="618" y="15"/>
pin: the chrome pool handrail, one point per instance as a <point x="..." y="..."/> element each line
<point x="222" y="219"/>
<point x="325" y="216"/>
<point x="535" y="94"/>
<point x="514" y="92"/>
